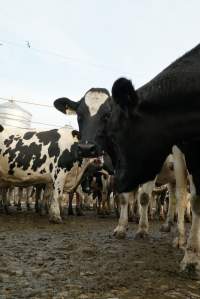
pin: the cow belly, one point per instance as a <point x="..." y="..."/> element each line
<point x="21" y="176"/>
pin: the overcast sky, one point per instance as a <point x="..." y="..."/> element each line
<point x="79" y="44"/>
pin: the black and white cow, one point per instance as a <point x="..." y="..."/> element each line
<point x="37" y="157"/>
<point x="139" y="128"/>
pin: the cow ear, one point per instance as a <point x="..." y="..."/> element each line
<point x="76" y="134"/>
<point x="66" y="106"/>
<point x="124" y="94"/>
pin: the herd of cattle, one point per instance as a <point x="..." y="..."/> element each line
<point x="129" y="147"/>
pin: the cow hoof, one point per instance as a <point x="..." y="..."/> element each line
<point x="165" y="228"/>
<point x="141" y="235"/>
<point x="120" y="232"/>
<point x="19" y="208"/>
<point x="190" y="265"/>
<point x="179" y="242"/>
<point x="55" y="220"/>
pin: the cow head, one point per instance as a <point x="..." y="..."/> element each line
<point x="92" y="111"/>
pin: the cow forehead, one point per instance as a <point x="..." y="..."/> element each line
<point x="94" y="99"/>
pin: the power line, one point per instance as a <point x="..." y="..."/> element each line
<point x="25" y="102"/>
<point x="27" y="44"/>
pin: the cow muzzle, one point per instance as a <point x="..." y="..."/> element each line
<point x="88" y="150"/>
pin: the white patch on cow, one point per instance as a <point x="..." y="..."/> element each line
<point x="120" y="230"/>
<point x="94" y="100"/>
<point x="180" y="172"/>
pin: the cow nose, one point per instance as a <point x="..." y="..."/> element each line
<point x="87" y="150"/>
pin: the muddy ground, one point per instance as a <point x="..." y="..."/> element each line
<point x="81" y="259"/>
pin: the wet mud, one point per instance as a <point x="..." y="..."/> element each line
<point x="81" y="259"/>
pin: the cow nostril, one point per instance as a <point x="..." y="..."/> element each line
<point x="87" y="150"/>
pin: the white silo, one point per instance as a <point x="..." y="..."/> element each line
<point x="13" y="115"/>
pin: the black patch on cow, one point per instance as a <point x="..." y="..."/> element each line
<point x="22" y="155"/>
<point x="54" y="150"/>
<point x="43" y="171"/>
<point x="17" y="138"/>
<point x="11" y="167"/>
<point x="47" y="137"/>
<point x="28" y="173"/>
<point x="8" y="141"/>
<point x="1" y="128"/>
<point x="38" y="162"/>
<point x="0" y="151"/>
<point x="28" y="135"/>
<point x="55" y="176"/>
<point x="66" y="160"/>
<point x="51" y="167"/>
<point x="50" y="138"/>
<point x="11" y="154"/>
<point x="59" y="191"/>
<point x="76" y="134"/>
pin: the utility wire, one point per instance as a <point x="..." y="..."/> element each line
<point x="25" y="102"/>
<point x="28" y="45"/>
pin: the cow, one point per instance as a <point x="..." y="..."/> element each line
<point x="138" y="128"/>
<point x="174" y="173"/>
<point x="29" y="157"/>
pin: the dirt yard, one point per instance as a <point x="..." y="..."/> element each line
<point x="81" y="259"/>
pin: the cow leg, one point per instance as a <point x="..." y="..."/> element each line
<point x="48" y="192"/>
<point x="191" y="260"/>
<point x="54" y="210"/>
<point x="117" y="205"/>
<point x="105" y="196"/>
<point x="120" y="230"/>
<point x="4" y="199"/>
<point x="79" y="211"/>
<point x="19" y="199"/>
<point x="166" y="227"/>
<point x="181" y="195"/>
<point x="188" y="217"/>
<point x="10" y="196"/>
<point x="108" y="205"/>
<point x="131" y="206"/>
<point x="38" y="199"/>
<point x="151" y="210"/>
<point x="144" y="197"/>
<point x="103" y="204"/>
<point x="70" y="208"/>
<point x="143" y="222"/>
<point x="88" y="201"/>
<point x="28" y="198"/>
